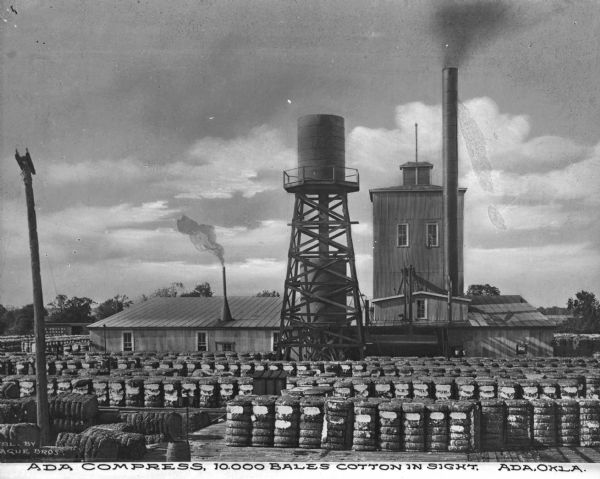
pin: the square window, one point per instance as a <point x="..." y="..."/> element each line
<point x="127" y="341"/>
<point x="202" y="345"/>
<point x="402" y="240"/>
<point x="421" y="309"/>
<point x="432" y="235"/>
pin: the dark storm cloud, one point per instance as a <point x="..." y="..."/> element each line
<point x="229" y="88"/>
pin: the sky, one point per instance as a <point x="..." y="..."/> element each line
<point x="136" y="112"/>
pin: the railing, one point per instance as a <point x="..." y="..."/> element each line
<point x="320" y="174"/>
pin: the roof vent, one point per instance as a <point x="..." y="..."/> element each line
<point x="416" y="173"/>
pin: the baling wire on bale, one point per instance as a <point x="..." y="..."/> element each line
<point x="204" y="238"/>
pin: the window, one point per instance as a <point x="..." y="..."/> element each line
<point x="403" y="235"/>
<point x="431" y="235"/>
<point x="202" y="345"/>
<point x="274" y="340"/>
<point x="127" y="341"/>
<point x="225" y="346"/>
<point x="421" y="309"/>
<point x="458" y="351"/>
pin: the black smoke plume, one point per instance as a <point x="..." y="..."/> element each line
<point x="462" y="27"/>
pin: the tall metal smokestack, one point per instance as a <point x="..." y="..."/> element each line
<point x="225" y="312"/>
<point x="450" y="159"/>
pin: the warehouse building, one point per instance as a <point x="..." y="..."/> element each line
<point x="190" y="324"/>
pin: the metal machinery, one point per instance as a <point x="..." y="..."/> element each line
<point x="321" y="317"/>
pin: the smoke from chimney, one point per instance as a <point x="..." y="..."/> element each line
<point x="463" y="27"/>
<point x="203" y="237"/>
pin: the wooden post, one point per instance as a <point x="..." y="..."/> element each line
<point x="43" y="419"/>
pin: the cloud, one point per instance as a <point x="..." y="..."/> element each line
<point x="533" y="271"/>
<point x="212" y="168"/>
<point x="249" y="164"/>
<point x="550" y="171"/>
<point x="62" y="173"/>
<point x="545" y="188"/>
<point x="78" y="231"/>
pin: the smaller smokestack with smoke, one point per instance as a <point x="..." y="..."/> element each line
<point x="225" y="312"/>
<point x="203" y="237"/>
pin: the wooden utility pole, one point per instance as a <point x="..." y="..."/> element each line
<point x="43" y="420"/>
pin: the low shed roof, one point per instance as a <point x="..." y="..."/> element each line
<point x="505" y="311"/>
<point x="247" y="312"/>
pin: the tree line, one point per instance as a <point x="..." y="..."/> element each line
<point x="583" y="310"/>
<point x="64" y="309"/>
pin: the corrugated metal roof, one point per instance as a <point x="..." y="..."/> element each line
<point x="247" y="312"/>
<point x="505" y="311"/>
<point x="264" y="312"/>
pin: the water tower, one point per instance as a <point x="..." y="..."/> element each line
<point x="321" y="313"/>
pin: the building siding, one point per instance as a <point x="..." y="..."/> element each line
<point x="437" y="311"/>
<point x="182" y="340"/>
<point x="502" y="342"/>
<point x="417" y="208"/>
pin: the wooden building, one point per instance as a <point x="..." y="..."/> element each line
<point x="190" y="324"/>
<point x="408" y="231"/>
<point x="408" y="249"/>
<point x="412" y="312"/>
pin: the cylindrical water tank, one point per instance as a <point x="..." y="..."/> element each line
<point x="321" y="144"/>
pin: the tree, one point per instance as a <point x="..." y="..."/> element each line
<point x="112" y="306"/>
<point x="170" y="291"/>
<point x="70" y="310"/>
<point x="202" y="290"/>
<point x="482" y="290"/>
<point x="23" y="323"/>
<point x="585" y="311"/>
<point x="16" y="320"/>
<point x="584" y="304"/>
<point x="265" y="293"/>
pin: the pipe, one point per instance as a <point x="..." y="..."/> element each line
<point x="450" y="187"/>
<point x="225" y="312"/>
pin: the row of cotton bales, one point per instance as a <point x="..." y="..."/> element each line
<point x="411" y="425"/>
